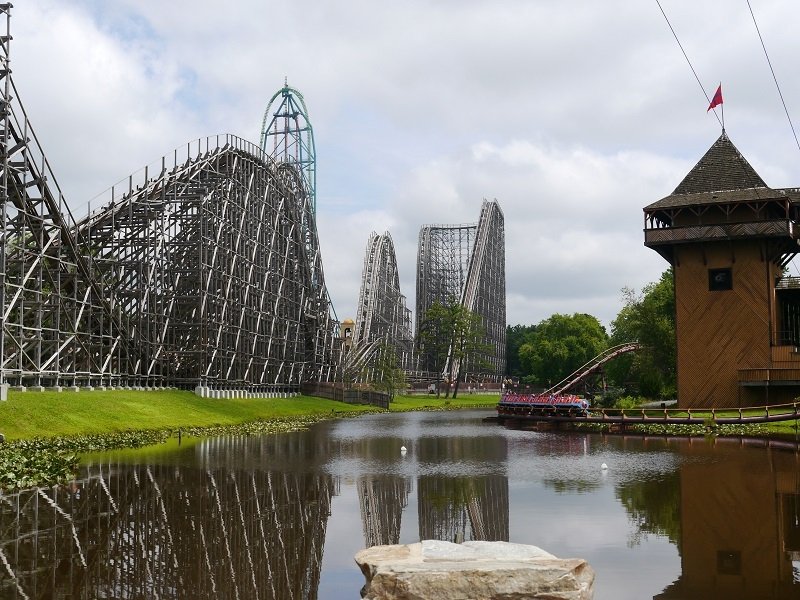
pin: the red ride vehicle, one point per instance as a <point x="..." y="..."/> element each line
<point x="513" y="402"/>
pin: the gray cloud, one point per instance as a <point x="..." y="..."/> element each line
<point x="573" y="115"/>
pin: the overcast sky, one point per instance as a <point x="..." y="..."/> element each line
<point x="573" y="115"/>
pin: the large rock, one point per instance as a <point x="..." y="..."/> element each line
<point x="491" y="570"/>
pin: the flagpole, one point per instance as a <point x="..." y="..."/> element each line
<point x="715" y="102"/>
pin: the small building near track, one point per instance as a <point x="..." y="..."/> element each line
<point x="729" y="238"/>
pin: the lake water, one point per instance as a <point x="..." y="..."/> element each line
<point x="281" y="516"/>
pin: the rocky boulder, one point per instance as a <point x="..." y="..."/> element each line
<point x="492" y="570"/>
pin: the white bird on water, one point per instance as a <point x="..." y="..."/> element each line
<point x="604" y="466"/>
<point x="403" y="450"/>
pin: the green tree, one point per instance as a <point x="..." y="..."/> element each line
<point x="468" y="342"/>
<point x="516" y="335"/>
<point x="648" y="317"/>
<point x="653" y="505"/>
<point x="452" y="333"/>
<point x="387" y="376"/>
<point x="433" y="340"/>
<point x="560" y="345"/>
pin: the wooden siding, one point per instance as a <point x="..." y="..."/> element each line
<point x="787" y="357"/>
<point x="721" y="332"/>
<point x="765" y="375"/>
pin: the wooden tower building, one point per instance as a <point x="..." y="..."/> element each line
<point x="729" y="238"/>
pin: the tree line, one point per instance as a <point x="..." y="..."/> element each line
<point x="450" y="333"/>
<point x="543" y="354"/>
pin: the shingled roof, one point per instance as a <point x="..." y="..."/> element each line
<point x="722" y="168"/>
<point x="722" y="176"/>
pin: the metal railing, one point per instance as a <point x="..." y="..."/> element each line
<point x="709" y="417"/>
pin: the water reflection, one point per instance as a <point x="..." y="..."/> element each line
<point x="457" y="509"/>
<point x="653" y="505"/>
<point x="456" y="502"/>
<point x="740" y="524"/>
<point x="281" y="516"/>
<point x="167" y="532"/>
<point x="382" y="500"/>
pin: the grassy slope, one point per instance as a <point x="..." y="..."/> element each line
<point x="430" y="401"/>
<point x="31" y="414"/>
<point x="45" y="414"/>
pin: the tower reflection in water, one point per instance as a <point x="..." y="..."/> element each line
<point x="452" y="509"/>
<point x="453" y="502"/>
<point x="740" y="525"/>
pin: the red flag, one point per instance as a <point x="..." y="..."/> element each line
<point x="717" y="99"/>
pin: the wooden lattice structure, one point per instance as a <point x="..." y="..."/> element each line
<point x="382" y="316"/>
<point x="201" y="271"/>
<point x="222" y="529"/>
<point x="729" y="237"/>
<point x="466" y="264"/>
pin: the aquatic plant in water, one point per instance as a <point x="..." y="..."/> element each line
<point x="47" y="461"/>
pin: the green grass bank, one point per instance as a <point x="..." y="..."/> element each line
<point x="48" y="432"/>
<point x="29" y="415"/>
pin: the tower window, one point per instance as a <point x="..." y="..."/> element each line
<point x="729" y="562"/>
<point x="720" y="280"/>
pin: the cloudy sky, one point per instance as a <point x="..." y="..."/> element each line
<point x="573" y="115"/>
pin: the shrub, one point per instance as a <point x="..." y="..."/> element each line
<point x="626" y="402"/>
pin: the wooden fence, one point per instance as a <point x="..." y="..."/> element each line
<point x="337" y="391"/>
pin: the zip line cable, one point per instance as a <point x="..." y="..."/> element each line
<point x="675" y="35"/>
<point x="769" y="62"/>
<point x="780" y="94"/>
<point x="720" y="121"/>
<point x="774" y="77"/>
